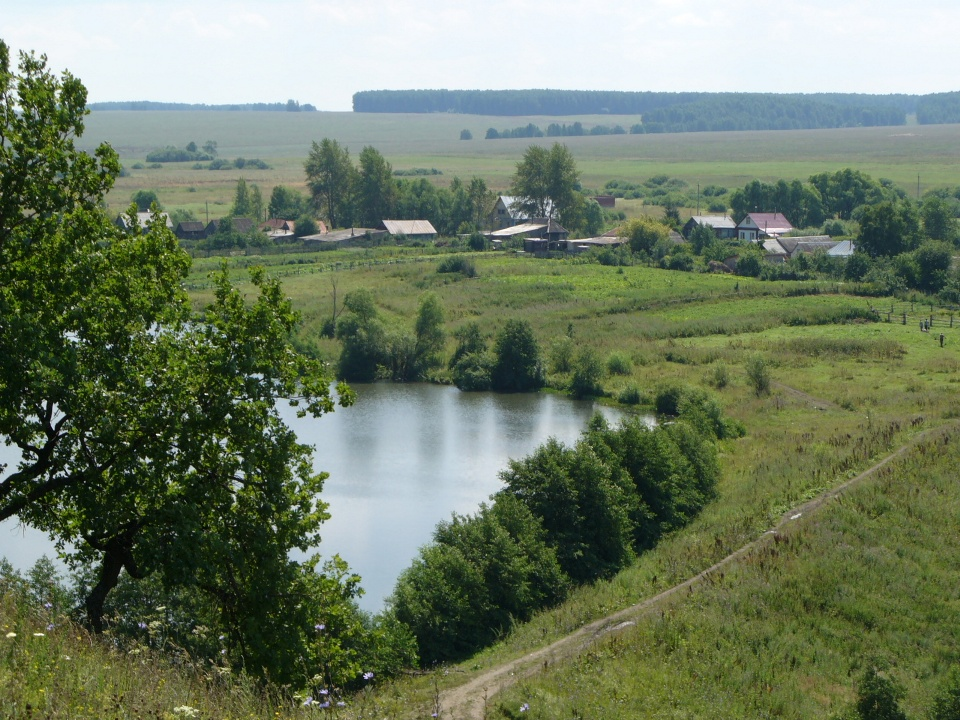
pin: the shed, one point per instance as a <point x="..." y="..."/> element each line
<point x="412" y="229"/>
<point x="190" y="230"/>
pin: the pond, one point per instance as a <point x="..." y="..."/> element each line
<point x="400" y="460"/>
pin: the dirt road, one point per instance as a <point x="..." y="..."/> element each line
<point x="469" y="701"/>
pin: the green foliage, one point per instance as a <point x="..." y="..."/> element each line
<point x="545" y="182"/>
<point x="582" y="508"/>
<point x="933" y="259"/>
<point x="517" y="366"/>
<point x="587" y="373"/>
<point x="887" y="229"/>
<point x="376" y="193"/>
<point x="331" y="178"/>
<point x="286" y="203"/>
<point x="801" y="204"/>
<point x="429" y="335"/>
<point x="466" y="135"/>
<point x="846" y="190"/>
<point x="145" y="199"/>
<point x="878" y="697"/>
<point x="758" y="373"/>
<point x="946" y="703"/>
<point x="481" y="574"/>
<point x="457" y="264"/>
<point x="561" y="354"/>
<point x="175" y="154"/>
<point x="619" y="363"/>
<point x="643" y="233"/>
<point x="363" y="338"/>
<point x="150" y="435"/>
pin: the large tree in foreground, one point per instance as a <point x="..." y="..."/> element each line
<point x="149" y="435"/>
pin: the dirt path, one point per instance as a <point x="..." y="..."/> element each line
<point x="469" y="701"/>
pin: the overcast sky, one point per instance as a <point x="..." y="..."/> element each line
<point x="322" y="51"/>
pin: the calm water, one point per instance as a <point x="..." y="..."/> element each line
<point x="402" y="459"/>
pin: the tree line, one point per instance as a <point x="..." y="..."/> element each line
<point x="288" y="106"/>
<point x="661" y="111"/>
<point x="565" y="517"/>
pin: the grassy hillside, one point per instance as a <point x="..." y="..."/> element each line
<point x="869" y="578"/>
<point x="283" y="140"/>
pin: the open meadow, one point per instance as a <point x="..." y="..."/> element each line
<point x="282" y="140"/>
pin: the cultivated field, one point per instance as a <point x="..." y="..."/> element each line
<point x="283" y="140"/>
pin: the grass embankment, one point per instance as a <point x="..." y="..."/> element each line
<point x="784" y="631"/>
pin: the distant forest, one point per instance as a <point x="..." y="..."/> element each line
<point x="678" y="112"/>
<point x="288" y="106"/>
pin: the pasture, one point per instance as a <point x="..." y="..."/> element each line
<point x="283" y="140"/>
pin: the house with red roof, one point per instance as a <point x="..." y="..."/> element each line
<point x="757" y="226"/>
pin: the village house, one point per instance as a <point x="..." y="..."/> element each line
<point x="723" y="227"/>
<point x="756" y="226"/>
<point x="506" y="213"/>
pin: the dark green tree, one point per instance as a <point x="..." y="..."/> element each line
<point x="286" y="203"/>
<point x="517" y="365"/>
<point x="887" y="229"/>
<point x="145" y="199"/>
<point x="363" y="337"/>
<point x="376" y="191"/>
<point x="938" y="220"/>
<point x="946" y="703"/>
<point x="151" y="444"/>
<point x="878" y="698"/>
<point x="331" y="178"/>
<point x="933" y="259"/>
<point x="429" y="336"/>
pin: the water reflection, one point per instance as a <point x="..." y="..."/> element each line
<point x="401" y="460"/>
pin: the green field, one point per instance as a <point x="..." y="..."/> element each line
<point x="283" y="140"/>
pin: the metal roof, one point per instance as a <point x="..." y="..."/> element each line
<point x="408" y="227"/>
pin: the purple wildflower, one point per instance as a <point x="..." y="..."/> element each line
<point x="368" y="676"/>
<point x="324" y="692"/>
<point x="324" y="704"/>
<point x="524" y="707"/>
<point x="142" y="625"/>
<point x="308" y="702"/>
<point x="319" y="626"/>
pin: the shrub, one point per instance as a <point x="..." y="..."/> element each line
<point x="457" y="264"/>
<point x="561" y="355"/>
<point x="758" y="374"/>
<point x="619" y="363"/>
<point x="587" y="371"/>
<point x="630" y="395"/>
<point x="719" y="376"/>
<point x="517" y="366"/>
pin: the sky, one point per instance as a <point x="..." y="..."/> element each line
<point x="322" y="52"/>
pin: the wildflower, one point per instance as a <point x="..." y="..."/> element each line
<point x="186" y="711"/>
<point x="524" y="707"/>
<point x="39" y="635"/>
<point x="319" y="626"/>
<point x="324" y="692"/>
<point x="48" y="605"/>
<point x="341" y="703"/>
<point x="143" y="626"/>
<point x="325" y="704"/>
<point x="11" y="634"/>
<point x="368" y="676"/>
<point x="50" y="627"/>
<point x="308" y="702"/>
